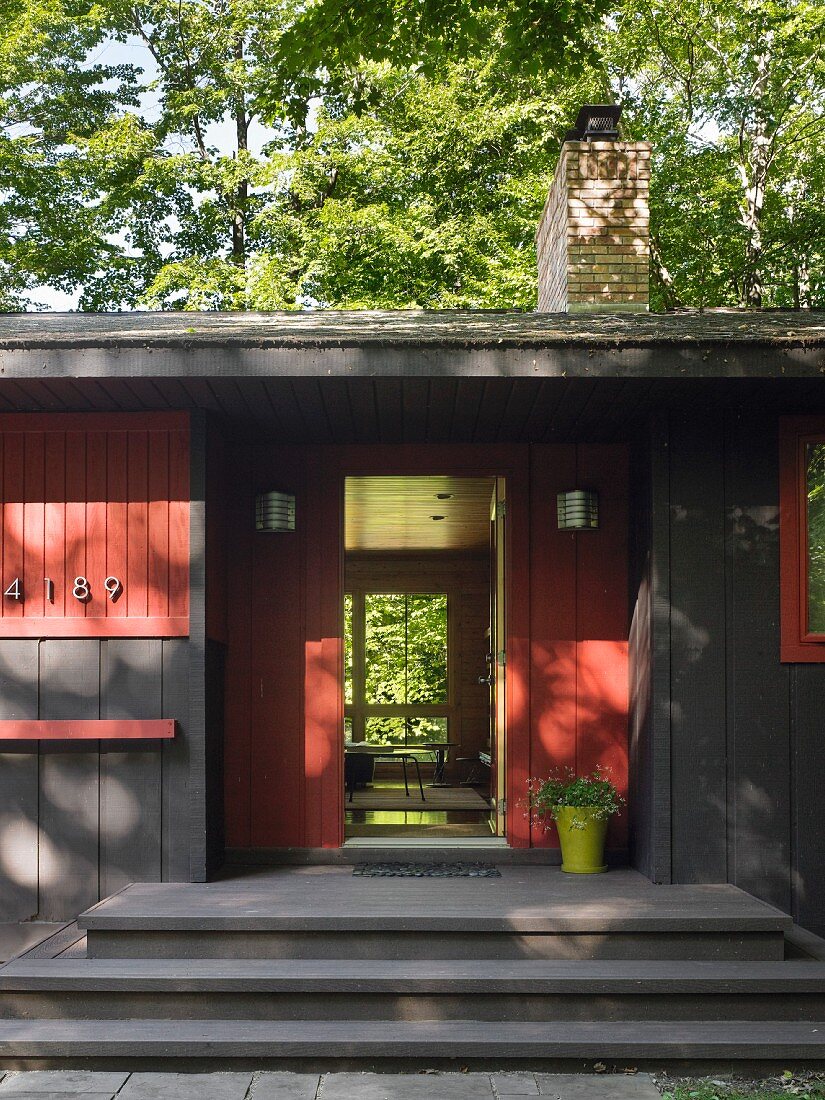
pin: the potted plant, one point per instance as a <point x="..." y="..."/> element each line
<point x="581" y="806"/>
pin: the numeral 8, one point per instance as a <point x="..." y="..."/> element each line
<point x="81" y="589"/>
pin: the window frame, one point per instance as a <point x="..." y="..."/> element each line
<point x="359" y="710"/>
<point x="797" y="643"/>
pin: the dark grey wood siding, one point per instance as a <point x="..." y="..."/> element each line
<point x="79" y="820"/>
<point x="742" y="731"/>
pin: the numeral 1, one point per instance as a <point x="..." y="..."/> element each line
<point x="48" y="584"/>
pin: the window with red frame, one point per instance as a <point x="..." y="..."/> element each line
<point x="802" y="537"/>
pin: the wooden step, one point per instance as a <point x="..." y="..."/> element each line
<point x="514" y="990"/>
<point x="131" y="1044"/>
<point x="530" y="912"/>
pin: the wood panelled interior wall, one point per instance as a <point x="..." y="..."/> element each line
<point x="78" y="820"/>
<point x="744" y="730"/>
<point x="466" y="580"/>
<point x="567" y="603"/>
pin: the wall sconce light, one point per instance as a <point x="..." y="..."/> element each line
<point x="274" y="511"/>
<point x="578" y="510"/>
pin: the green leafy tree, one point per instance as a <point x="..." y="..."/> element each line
<point x="732" y="95"/>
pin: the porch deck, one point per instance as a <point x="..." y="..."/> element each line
<point x="523" y="899"/>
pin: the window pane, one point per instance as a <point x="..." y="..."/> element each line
<point x="423" y="731"/>
<point x="348" y="649"/>
<point x="385" y="731"/>
<point x="427" y="649"/>
<point x="385" y="648"/>
<point x="816" y="537"/>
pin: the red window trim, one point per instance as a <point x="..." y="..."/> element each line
<point x="796" y="644"/>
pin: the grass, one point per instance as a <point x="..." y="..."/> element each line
<point x="798" y="1088"/>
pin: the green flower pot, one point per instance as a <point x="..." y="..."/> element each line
<point x="582" y="848"/>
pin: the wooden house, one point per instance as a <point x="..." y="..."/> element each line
<point x="189" y="503"/>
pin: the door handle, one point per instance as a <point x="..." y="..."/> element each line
<point x="488" y="680"/>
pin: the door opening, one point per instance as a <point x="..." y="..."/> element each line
<point x="425" y="660"/>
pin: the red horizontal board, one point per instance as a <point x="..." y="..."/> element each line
<point x="151" y="729"/>
<point x="155" y="627"/>
<point x="95" y="515"/>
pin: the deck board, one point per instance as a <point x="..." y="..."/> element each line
<point x="523" y="899"/>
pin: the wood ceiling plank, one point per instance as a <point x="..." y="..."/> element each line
<point x="395" y="513"/>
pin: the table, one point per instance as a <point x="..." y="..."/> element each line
<point x="390" y="752"/>
<point x="439" y="750"/>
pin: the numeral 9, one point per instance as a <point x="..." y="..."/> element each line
<point x="113" y="587"/>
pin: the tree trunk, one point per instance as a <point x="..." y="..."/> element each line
<point x="753" y="173"/>
<point x="242" y="191"/>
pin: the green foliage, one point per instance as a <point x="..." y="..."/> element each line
<point x="806" y="1087"/>
<point x="411" y="146"/>
<point x="545" y="797"/>
<point x="405" y="651"/>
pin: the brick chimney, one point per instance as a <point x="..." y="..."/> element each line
<point x="593" y="237"/>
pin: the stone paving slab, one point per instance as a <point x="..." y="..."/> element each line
<point x="561" y="1086"/>
<point x="185" y="1086"/>
<point x="14" y="1094"/>
<point x="75" y="1082"/>
<point x="406" y="1086"/>
<point x="278" y="1085"/>
<point x="515" y="1084"/>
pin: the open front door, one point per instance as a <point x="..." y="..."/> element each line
<point x="498" y="655"/>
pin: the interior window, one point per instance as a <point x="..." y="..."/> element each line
<point x="396" y="665"/>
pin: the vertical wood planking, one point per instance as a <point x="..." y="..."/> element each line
<point x="698" y="640"/>
<point x="13" y="532"/>
<point x="238" y="737"/>
<point x="640" y="801"/>
<point x="18" y="785"/>
<point x="602" y="624"/>
<point x="517" y="643"/>
<point x="117" y="513"/>
<point x="75" y="520"/>
<point x="552" y="620"/>
<point x="175" y="815"/>
<point x="660" y="751"/>
<point x="33" y="525"/>
<point x="179" y="521"/>
<point x="757" y="684"/>
<point x="276" y="660"/>
<point x="130" y="776"/>
<point x="96" y="496"/>
<point x="199" y="824"/>
<point x="55" y="522"/>
<point x="137" y="523"/>
<point x="69" y="780"/>
<point x="808" y="820"/>
<point x="157" y="581"/>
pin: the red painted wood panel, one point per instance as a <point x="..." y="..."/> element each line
<point x="274" y="615"/>
<point x="90" y="730"/>
<point x="795" y="645"/>
<point x="602" y="624"/>
<point x="86" y="497"/>
<point x="566" y="641"/>
<point x="553" y="650"/>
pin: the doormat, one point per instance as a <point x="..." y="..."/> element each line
<point x="426" y="870"/>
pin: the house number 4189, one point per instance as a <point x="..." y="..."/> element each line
<point x="81" y="589"/>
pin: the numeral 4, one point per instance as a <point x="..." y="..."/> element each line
<point x="13" y="591"/>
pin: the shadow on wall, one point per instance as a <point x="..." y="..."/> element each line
<point x="580" y="717"/>
<point x="80" y="819"/>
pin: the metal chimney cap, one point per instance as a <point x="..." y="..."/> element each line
<point x="596" y="121"/>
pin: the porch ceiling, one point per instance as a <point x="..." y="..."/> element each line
<point x="433" y="410"/>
